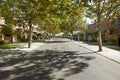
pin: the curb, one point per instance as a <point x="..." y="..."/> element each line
<point x="33" y="47"/>
<point x="99" y="53"/>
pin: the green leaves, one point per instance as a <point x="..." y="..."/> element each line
<point x="8" y="30"/>
<point x="43" y="12"/>
<point x="104" y="8"/>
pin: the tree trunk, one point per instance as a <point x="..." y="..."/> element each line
<point x="44" y="35"/>
<point x="99" y="34"/>
<point x="72" y="36"/>
<point x="30" y="34"/>
<point x="99" y="27"/>
<point x="84" y="36"/>
<point x="100" y="41"/>
<point x="78" y="37"/>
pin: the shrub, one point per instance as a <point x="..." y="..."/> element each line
<point x="8" y="30"/>
<point x="2" y="42"/>
<point x="105" y="41"/>
<point x="34" y="37"/>
<point x="93" y="40"/>
<point x="24" y="40"/>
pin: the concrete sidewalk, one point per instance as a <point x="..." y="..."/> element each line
<point x="111" y="54"/>
<point x="33" y="47"/>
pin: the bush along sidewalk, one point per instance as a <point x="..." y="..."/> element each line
<point x="2" y="42"/>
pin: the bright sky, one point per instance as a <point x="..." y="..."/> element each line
<point x="89" y="21"/>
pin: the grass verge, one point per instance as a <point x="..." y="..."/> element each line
<point x="12" y="45"/>
<point x="113" y="47"/>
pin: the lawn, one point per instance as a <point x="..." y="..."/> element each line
<point x="12" y="46"/>
<point x="114" y="47"/>
<point x="110" y="45"/>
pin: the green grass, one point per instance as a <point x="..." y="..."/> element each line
<point x="110" y="45"/>
<point x="12" y="46"/>
<point x="38" y="40"/>
<point x="114" y="47"/>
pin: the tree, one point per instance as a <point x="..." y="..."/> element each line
<point x="50" y="26"/>
<point x="26" y="12"/>
<point x="33" y="12"/>
<point x="82" y="26"/>
<point x="8" y="30"/>
<point x="57" y="11"/>
<point x="100" y="9"/>
<point x="74" y="15"/>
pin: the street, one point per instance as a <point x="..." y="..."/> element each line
<point x="59" y="59"/>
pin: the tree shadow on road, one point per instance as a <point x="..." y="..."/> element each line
<point x="41" y="65"/>
<point x="55" y="41"/>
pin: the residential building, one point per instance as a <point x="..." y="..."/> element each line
<point x="114" y="31"/>
<point x="110" y="31"/>
<point x="90" y="35"/>
<point x="21" y="33"/>
<point x="2" y="25"/>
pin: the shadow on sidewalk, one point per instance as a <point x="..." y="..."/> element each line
<point x="41" y="65"/>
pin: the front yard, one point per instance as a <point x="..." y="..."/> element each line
<point x="12" y="45"/>
<point x="113" y="47"/>
<point x="110" y="45"/>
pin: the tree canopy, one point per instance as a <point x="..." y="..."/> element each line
<point x="46" y="13"/>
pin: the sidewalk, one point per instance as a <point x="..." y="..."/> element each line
<point x="33" y="47"/>
<point x="111" y="54"/>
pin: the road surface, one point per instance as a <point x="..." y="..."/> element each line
<point x="59" y="59"/>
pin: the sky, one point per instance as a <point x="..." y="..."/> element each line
<point x="89" y="21"/>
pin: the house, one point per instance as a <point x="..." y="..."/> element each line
<point x="2" y="36"/>
<point x="110" y="31"/>
<point x="2" y="25"/>
<point x="105" y="27"/>
<point x="21" y="33"/>
<point x="90" y="32"/>
<point x="114" y="31"/>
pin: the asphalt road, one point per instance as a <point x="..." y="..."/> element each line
<point x="59" y="59"/>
